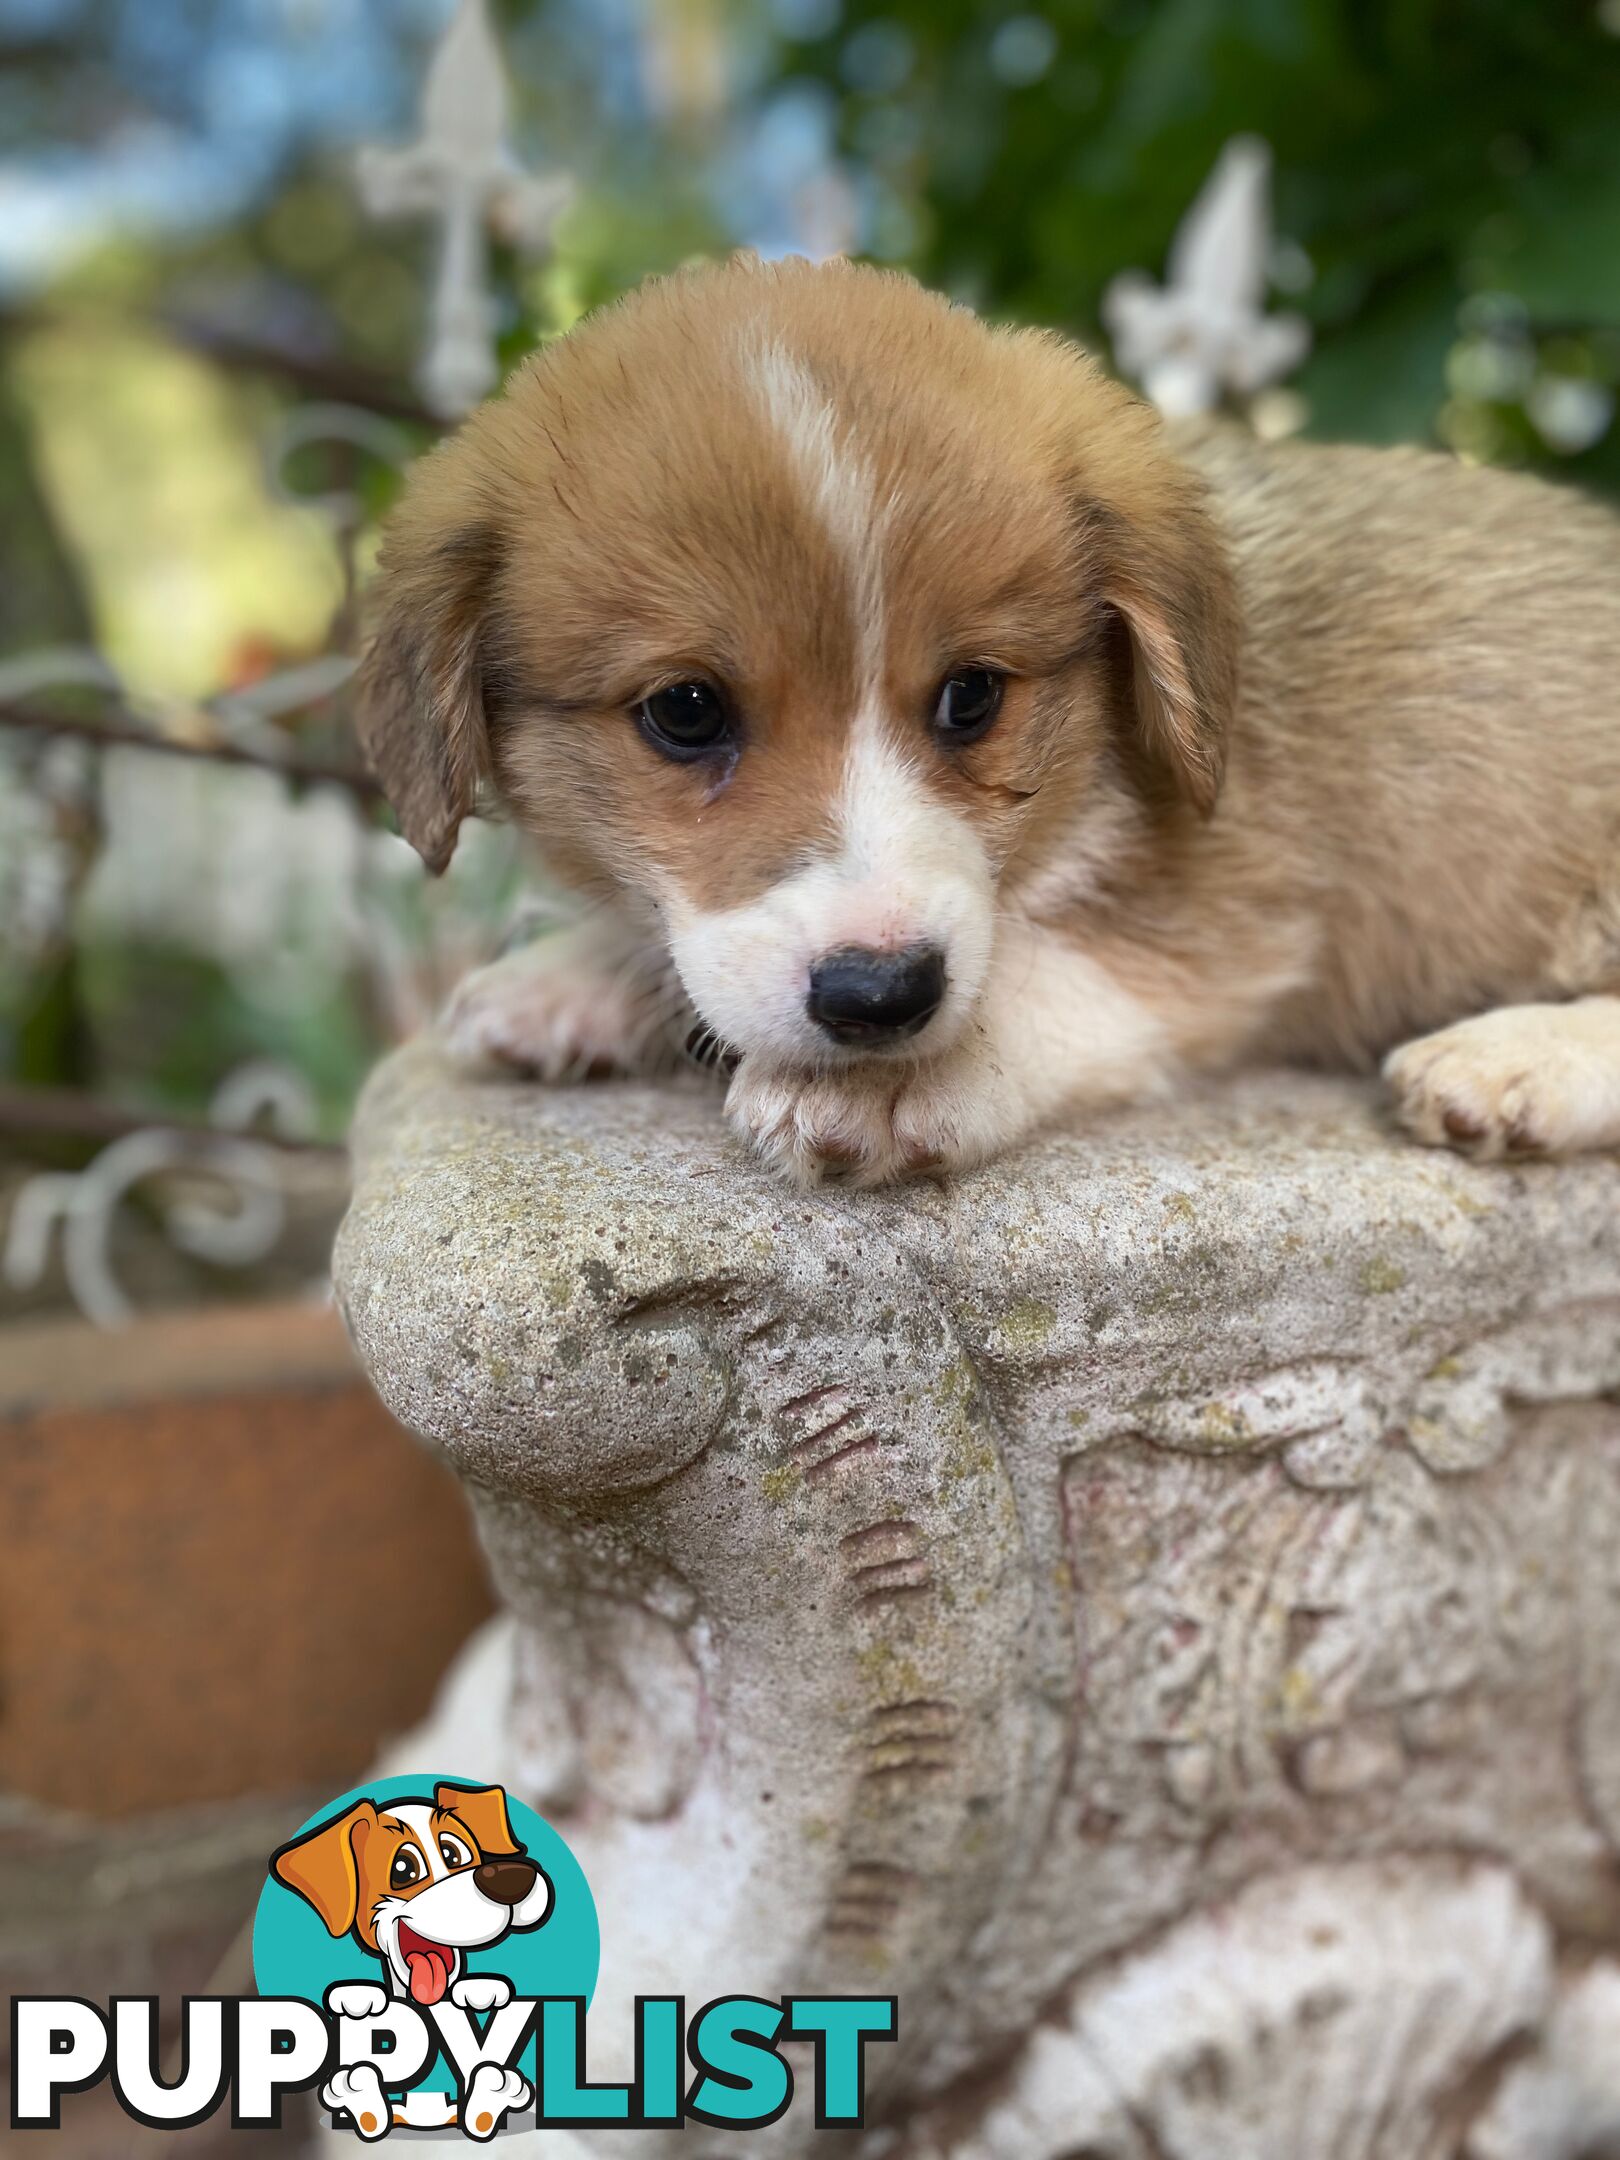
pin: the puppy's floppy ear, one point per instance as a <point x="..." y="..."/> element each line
<point x="421" y="699"/>
<point x="323" y="1866"/>
<point x="483" y="1809"/>
<point x="1162" y="566"/>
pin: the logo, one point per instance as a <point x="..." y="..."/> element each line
<point x="425" y="1952"/>
<point x="426" y="1894"/>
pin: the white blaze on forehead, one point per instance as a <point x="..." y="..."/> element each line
<point x="909" y="870"/>
<point x="417" y="1816"/>
<point x="896" y="836"/>
<point x="841" y="484"/>
<point x="905" y="869"/>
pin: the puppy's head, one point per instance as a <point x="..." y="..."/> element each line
<point x="808" y="608"/>
<point x="419" y="1882"/>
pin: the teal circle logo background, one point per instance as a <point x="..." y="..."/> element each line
<point x="294" y="1955"/>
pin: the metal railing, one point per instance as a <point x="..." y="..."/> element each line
<point x="292" y="724"/>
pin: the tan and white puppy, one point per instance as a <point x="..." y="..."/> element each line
<point x="969" y="749"/>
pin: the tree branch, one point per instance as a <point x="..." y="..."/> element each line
<point x="124" y="731"/>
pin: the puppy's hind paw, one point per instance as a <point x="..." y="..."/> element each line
<point x="492" y="2095"/>
<point x="358" y="2093"/>
<point x="1526" y="1080"/>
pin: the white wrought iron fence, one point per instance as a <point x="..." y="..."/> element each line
<point x="266" y="810"/>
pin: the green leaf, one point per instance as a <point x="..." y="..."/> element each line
<point x="1380" y="377"/>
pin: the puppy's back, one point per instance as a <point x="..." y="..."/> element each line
<point x="1429" y="725"/>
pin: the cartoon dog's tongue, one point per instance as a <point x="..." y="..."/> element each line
<point x="428" y="1964"/>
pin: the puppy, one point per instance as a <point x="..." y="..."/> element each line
<point x="969" y="749"/>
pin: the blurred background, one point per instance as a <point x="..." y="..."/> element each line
<point x="254" y="256"/>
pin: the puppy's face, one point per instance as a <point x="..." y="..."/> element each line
<point x="419" y="1883"/>
<point x="810" y="610"/>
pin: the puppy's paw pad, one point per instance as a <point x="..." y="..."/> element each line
<point x="356" y="1999"/>
<point x="1528" y="1080"/>
<point x="358" y="2094"/>
<point x="492" y="2095"/>
<point x="482" y="1991"/>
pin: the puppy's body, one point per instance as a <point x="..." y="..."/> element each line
<point x="1424" y="768"/>
<point x="1290" y="752"/>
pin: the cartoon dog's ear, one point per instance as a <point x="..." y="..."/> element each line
<point x="483" y="1809"/>
<point x="323" y="1866"/>
<point x="1165" y="573"/>
<point x="420" y="704"/>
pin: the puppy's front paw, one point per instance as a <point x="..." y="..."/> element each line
<point x="1527" y="1080"/>
<point x="558" y="1011"/>
<point x="812" y="1126"/>
<point x="356" y="1999"/>
<point x="482" y="1991"/>
<point x="868" y="1126"/>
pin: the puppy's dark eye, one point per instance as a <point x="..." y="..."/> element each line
<point x="687" y="720"/>
<point x="407" y="1868"/>
<point x="968" y="701"/>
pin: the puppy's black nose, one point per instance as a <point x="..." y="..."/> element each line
<point x="508" y="1881"/>
<point x="861" y="996"/>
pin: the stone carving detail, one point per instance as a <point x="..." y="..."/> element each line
<point x="1461" y="1417"/>
<point x="633" y="1735"/>
<point x="1561" y="2099"/>
<point x="1336" y="2012"/>
<point x="1324" y="1418"/>
<point x="1154" y="1605"/>
<point x="1224" y="1634"/>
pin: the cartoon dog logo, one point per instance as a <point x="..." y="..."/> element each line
<point x="419" y="1883"/>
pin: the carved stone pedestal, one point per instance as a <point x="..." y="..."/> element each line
<point x="1154" y="1605"/>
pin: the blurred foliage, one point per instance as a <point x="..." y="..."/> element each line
<point x="40" y="587"/>
<point x="170" y="1023"/>
<point x="1447" y="180"/>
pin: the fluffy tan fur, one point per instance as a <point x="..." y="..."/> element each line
<point x="1304" y="752"/>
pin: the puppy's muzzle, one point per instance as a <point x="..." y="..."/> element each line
<point x="862" y="997"/>
<point x="506" y="1882"/>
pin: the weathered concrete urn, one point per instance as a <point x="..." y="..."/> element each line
<point x="1153" y="1605"/>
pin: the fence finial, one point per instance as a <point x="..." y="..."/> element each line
<point x="1202" y="334"/>
<point x="462" y="171"/>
